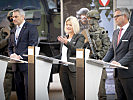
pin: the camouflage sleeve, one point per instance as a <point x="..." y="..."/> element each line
<point x="105" y="43"/>
<point x="101" y="42"/>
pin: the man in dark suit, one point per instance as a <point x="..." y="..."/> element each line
<point x="121" y="53"/>
<point x="22" y="36"/>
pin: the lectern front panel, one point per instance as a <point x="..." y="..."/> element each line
<point x="42" y="74"/>
<point x="93" y="74"/>
<point x="3" y="66"/>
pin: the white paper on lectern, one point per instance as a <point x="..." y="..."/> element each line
<point x="12" y="60"/>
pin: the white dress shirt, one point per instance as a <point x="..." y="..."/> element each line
<point x="124" y="28"/>
<point x="18" y="29"/>
<point x="64" y="52"/>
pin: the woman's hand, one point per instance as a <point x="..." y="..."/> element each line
<point x="62" y="39"/>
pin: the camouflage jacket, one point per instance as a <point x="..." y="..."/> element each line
<point x="100" y="40"/>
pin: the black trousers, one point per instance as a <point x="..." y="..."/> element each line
<point x="68" y="82"/>
<point x="124" y="88"/>
<point x="21" y="82"/>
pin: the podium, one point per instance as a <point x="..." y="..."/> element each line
<point x="4" y="61"/>
<point x="89" y="73"/>
<point x="93" y="72"/>
<point x="42" y="74"/>
<point x="39" y="72"/>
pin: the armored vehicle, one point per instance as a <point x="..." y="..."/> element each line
<point x="45" y="14"/>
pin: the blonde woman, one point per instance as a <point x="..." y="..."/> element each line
<point x="72" y="41"/>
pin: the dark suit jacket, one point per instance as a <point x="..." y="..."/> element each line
<point x="28" y="36"/>
<point x="77" y="41"/>
<point x="123" y="53"/>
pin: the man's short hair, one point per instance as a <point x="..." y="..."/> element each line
<point x="21" y="11"/>
<point x="124" y="11"/>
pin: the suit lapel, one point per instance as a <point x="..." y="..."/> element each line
<point x="115" y="38"/>
<point x="124" y="35"/>
<point x="73" y="38"/>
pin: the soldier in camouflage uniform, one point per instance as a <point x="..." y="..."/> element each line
<point x="9" y="73"/>
<point x="101" y="43"/>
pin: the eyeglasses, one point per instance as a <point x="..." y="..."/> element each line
<point x="118" y="16"/>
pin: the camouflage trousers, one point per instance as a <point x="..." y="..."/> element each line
<point x="102" y="90"/>
<point x="8" y="82"/>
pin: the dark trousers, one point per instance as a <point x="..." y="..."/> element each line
<point x="8" y="85"/>
<point x="124" y="88"/>
<point x="68" y="82"/>
<point x="21" y="82"/>
<point x="102" y="90"/>
<point x="8" y="82"/>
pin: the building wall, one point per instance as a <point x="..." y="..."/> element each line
<point x="125" y="3"/>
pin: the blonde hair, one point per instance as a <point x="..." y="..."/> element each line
<point x="75" y="24"/>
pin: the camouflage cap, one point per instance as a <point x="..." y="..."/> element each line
<point x="93" y="14"/>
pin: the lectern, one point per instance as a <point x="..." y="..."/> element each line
<point x="39" y="73"/>
<point x="4" y="61"/>
<point x="89" y="73"/>
<point x="93" y="72"/>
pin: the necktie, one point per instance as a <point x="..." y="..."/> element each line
<point x="119" y="35"/>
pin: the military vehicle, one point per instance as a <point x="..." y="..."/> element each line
<point x="45" y="14"/>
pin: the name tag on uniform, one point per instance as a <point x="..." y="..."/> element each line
<point x="124" y="40"/>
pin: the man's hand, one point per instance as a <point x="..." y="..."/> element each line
<point x="115" y="62"/>
<point x="15" y="56"/>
